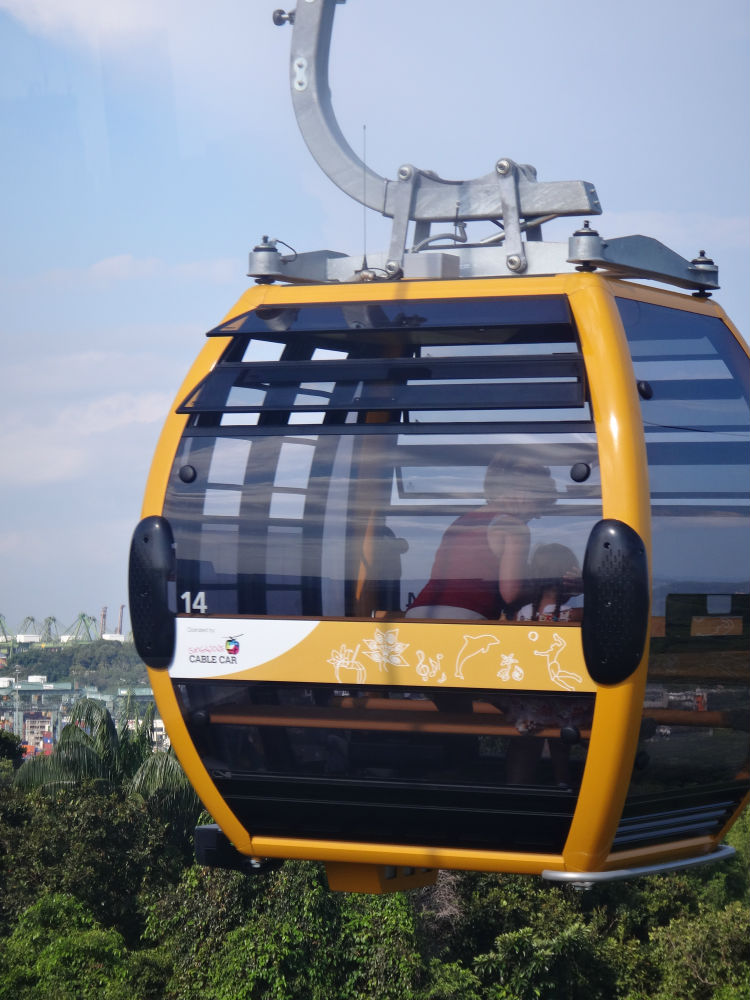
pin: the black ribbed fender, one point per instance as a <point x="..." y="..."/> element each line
<point x="152" y="566"/>
<point x="615" y="601"/>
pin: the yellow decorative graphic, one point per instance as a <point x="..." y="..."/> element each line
<point x="557" y="674"/>
<point x="502" y="655"/>
<point x="385" y="649"/>
<point x="510" y="669"/>
<point x="473" y="646"/>
<point x="345" y="664"/>
<point x="427" y="669"/>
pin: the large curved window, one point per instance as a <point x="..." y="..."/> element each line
<point x="697" y="427"/>
<point x="333" y="450"/>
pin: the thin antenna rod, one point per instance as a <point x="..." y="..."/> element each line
<point x="364" y="196"/>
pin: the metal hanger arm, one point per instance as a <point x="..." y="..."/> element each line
<point x="311" y="99"/>
<point x="430" y="198"/>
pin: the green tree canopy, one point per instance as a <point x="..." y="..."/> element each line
<point x="11" y="748"/>
<point x="58" y="949"/>
<point x="93" y="748"/>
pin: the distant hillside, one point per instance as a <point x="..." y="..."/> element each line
<point x="106" y="664"/>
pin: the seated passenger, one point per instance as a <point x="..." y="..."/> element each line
<point x="555" y="586"/>
<point x="480" y="567"/>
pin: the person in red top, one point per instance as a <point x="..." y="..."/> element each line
<point x="480" y="567"/>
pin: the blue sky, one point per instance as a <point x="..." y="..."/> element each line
<point x="148" y="144"/>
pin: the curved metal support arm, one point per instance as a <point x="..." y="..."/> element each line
<point x="311" y="99"/>
<point x="429" y="198"/>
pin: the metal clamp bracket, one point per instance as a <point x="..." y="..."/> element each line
<point x="641" y="257"/>
<point x="509" y="196"/>
<point x="510" y="192"/>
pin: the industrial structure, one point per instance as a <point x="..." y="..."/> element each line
<point x="48" y="634"/>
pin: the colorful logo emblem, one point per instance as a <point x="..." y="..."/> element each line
<point x="232" y="646"/>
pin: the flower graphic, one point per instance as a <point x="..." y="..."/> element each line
<point x="510" y="668"/>
<point x="385" y="649"/>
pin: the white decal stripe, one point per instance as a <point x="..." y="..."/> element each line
<point x="211" y="647"/>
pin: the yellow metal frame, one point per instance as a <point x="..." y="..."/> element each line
<point x="625" y="494"/>
<point x="625" y="497"/>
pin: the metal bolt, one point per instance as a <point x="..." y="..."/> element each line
<point x="586" y="230"/>
<point x="281" y="17"/>
<point x="300" y="73"/>
<point x="514" y="262"/>
<point x="503" y="167"/>
<point x="702" y="261"/>
<point x="404" y="173"/>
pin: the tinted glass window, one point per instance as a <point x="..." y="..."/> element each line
<point x="468" y="768"/>
<point x="697" y="425"/>
<point x="409" y="466"/>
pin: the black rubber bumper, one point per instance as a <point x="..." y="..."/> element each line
<point x="152" y="568"/>
<point x="615" y="601"/>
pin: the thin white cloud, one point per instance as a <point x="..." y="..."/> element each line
<point x="70" y="445"/>
<point x="121" y="268"/>
<point x="125" y="267"/>
<point x="62" y="414"/>
<point x="37" y="458"/>
<point x="114" y="412"/>
<point x="210" y="54"/>
<point x="113" y="23"/>
<point x="45" y="382"/>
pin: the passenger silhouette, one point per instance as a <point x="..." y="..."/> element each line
<point x="480" y="567"/>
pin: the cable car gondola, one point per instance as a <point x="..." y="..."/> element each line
<point x="444" y="559"/>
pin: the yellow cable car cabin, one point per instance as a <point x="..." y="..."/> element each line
<point x="451" y="569"/>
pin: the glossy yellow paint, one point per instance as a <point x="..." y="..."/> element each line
<point x="377" y="879"/>
<point x="615" y="706"/>
<point x="511" y="657"/>
<point x="625" y="496"/>
<point x="357" y="854"/>
<point x="400" y="291"/>
<point x="744" y="804"/>
<point x="362" y="853"/>
<point x="353" y="858"/>
<point x="187" y="755"/>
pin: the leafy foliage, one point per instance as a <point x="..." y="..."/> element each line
<point x="58" y="949"/>
<point x="104" y="663"/>
<point x="698" y="955"/>
<point x="102" y="849"/>
<point x="92" y="748"/>
<point x="101" y="899"/>
<point x="10" y="748"/>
